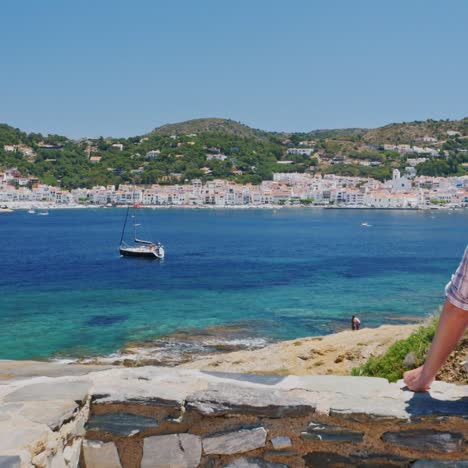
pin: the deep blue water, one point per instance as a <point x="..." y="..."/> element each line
<point x="64" y="290"/>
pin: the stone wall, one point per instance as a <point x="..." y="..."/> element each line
<point x="160" y="417"/>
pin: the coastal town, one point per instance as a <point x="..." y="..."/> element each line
<point x="403" y="191"/>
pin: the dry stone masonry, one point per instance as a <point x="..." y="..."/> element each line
<point x="154" y="417"/>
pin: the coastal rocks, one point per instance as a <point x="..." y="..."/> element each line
<point x="427" y="463"/>
<point x="223" y="399"/>
<point x="426" y="440"/>
<point x="331" y="433"/>
<point x="254" y="463"/>
<point x="100" y="455"/>
<point x="231" y="443"/>
<point x="280" y="443"/>
<point x="123" y="424"/>
<point x="174" y="450"/>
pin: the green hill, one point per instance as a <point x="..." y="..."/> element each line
<point x="215" y="125"/>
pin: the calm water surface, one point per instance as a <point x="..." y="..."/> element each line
<point x="65" y="291"/>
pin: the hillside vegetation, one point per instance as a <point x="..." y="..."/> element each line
<point x="222" y="148"/>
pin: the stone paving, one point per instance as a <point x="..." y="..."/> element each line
<point x="165" y="417"/>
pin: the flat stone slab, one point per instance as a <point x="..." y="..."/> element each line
<point x="47" y="391"/>
<point x="122" y="424"/>
<point x="101" y="454"/>
<point x="331" y="433"/>
<point x="51" y="413"/>
<point x="221" y="399"/>
<point x="17" y="435"/>
<point x="230" y="443"/>
<point x="174" y="451"/>
<point x="280" y="443"/>
<point x="10" y="461"/>
<point x="426" y="440"/>
<point x="254" y="463"/>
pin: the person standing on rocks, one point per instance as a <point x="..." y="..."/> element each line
<point x="355" y="323"/>
<point x="452" y="324"/>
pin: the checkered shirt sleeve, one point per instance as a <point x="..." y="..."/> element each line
<point x="457" y="290"/>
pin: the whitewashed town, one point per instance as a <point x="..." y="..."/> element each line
<point x="403" y="191"/>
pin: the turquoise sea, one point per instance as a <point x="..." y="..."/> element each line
<point x="286" y="273"/>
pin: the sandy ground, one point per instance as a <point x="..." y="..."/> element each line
<point x="332" y="354"/>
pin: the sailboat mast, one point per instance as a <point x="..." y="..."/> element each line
<point x="125" y="224"/>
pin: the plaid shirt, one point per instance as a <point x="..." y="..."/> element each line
<point x="457" y="290"/>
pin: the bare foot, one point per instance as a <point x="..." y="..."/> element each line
<point x="416" y="381"/>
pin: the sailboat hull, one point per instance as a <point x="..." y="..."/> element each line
<point x="140" y="252"/>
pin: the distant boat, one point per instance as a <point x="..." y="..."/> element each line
<point x="32" y="211"/>
<point x="366" y="224"/>
<point x="141" y="248"/>
<point x="43" y="213"/>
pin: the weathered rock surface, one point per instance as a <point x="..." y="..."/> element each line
<point x="174" y="450"/>
<point x="51" y="413"/>
<point x="100" y="455"/>
<point x="331" y="433"/>
<point x="253" y="463"/>
<point x="47" y="391"/>
<point x="17" y="435"/>
<point x="240" y="441"/>
<point x="426" y="440"/>
<point x="122" y="424"/>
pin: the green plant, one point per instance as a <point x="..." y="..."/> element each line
<point x="393" y="364"/>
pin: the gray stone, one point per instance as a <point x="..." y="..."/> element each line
<point x="431" y="463"/>
<point x="240" y="441"/>
<point x="332" y="459"/>
<point x="331" y="433"/>
<point x="51" y="413"/>
<point x="174" y="451"/>
<point x="122" y="424"/>
<point x="426" y="440"/>
<point x="221" y="399"/>
<point x="280" y="443"/>
<point x="254" y="463"/>
<point x="47" y="391"/>
<point x="101" y="454"/>
<point x="10" y="461"/>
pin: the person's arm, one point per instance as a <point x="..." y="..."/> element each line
<point x="452" y="324"/>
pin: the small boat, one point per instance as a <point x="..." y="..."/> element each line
<point x="43" y="213"/>
<point x="366" y="224"/>
<point x="141" y="248"/>
<point x="32" y="211"/>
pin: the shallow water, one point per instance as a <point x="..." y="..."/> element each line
<point x="65" y="291"/>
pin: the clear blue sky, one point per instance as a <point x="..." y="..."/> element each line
<point x="121" y="68"/>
